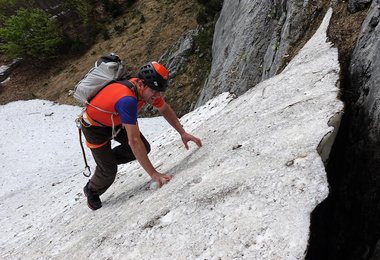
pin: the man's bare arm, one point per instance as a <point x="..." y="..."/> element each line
<point x="139" y="150"/>
<point x="168" y="113"/>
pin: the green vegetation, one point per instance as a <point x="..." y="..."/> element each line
<point x="30" y="34"/>
<point x="41" y="30"/>
<point x="210" y="8"/>
<point x="9" y="7"/>
<point x="206" y="17"/>
<point x="271" y="14"/>
<point x="112" y="7"/>
<point x="81" y="7"/>
<point x="116" y="8"/>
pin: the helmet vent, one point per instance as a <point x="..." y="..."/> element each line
<point x="155" y="75"/>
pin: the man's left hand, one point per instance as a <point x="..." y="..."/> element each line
<point x="186" y="137"/>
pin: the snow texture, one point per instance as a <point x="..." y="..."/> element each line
<point x="246" y="194"/>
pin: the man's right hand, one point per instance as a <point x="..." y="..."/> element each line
<point x="161" y="179"/>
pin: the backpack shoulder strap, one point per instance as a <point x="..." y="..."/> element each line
<point x="128" y="84"/>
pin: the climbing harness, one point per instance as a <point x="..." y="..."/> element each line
<point x="88" y="122"/>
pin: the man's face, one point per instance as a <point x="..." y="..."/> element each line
<point x="149" y="95"/>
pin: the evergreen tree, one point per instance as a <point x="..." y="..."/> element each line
<point x="30" y="34"/>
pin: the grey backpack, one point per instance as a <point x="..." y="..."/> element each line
<point x="107" y="69"/>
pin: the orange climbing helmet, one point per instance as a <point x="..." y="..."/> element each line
<point x="155" y="75"/>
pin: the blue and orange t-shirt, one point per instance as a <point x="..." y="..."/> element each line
<point x="117" y="97"/>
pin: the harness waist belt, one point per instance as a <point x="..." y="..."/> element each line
<point x="89" y="120"/>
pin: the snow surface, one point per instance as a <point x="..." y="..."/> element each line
<point x="246" y="194"/>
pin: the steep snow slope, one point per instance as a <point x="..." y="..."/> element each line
<point x="248" y="193"/>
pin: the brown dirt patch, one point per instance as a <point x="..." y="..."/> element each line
<point x="18" y="87"/>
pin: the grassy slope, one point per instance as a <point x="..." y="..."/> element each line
<point x="149" y="28"/>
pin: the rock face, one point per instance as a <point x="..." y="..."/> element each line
<point x="6" y="70"/>
<point x="175" y="57"/>
<point x="361" y="155"/>
<point x="365" y="81"/>
<point x="357" y="5"/>
<point x="250" y="41"/>
<point x="349" y="217"/>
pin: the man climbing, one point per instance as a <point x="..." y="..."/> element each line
<point x="124" y="99"/>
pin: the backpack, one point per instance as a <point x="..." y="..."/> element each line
<point x="106" y="70"/>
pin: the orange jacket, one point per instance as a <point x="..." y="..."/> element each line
<point x="107" y="98"/>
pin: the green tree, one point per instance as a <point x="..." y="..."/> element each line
<point x="81" y="7"/>
<point x="9" y="7"/>
<point x="30" y="34"/>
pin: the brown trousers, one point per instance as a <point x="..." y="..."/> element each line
<point x="108" y="158"/>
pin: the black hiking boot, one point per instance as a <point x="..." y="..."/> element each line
<point x="93" y="200"/>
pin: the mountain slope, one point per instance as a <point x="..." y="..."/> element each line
<point x="248" y="193"/>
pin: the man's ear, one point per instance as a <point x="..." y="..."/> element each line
<point x="140" y="83"/>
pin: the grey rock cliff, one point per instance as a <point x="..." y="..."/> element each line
<point x="250" y="41"/>
<point x="357" y="5"/>
<point x="365" y="75"/>
<point x="362" y="151"/>
<point x="353" y="229"/>
<point x="175" y="57"/>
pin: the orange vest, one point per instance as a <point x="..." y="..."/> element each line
<point x="106" y="100"/>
